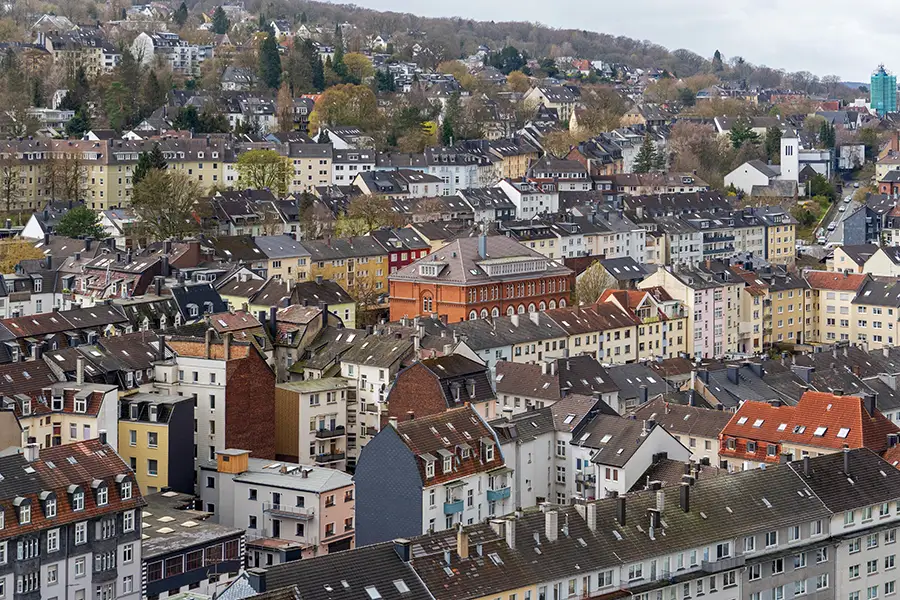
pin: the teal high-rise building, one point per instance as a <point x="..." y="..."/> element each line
<point x="883" y="91"/>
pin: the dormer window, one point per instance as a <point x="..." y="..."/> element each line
<point x="25" y="513"/>
<point x="26" y="407"/>
<point x="448" y="464"/>
<point x="81" y="405"/>
<point x="78" y="500"/>
<point x="50" y="506"/>
<point x="57" y="402"/>
<point x="193" y="310"/>
<point x="38" y="285"/>
<point x="126" y="490"/>
<point x="102" y="495"/>
<point x="429" y="469"/>
<point x="488" y="451"/>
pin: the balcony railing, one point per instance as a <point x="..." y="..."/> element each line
<point x="451" y="508"/>
<point x="723" y="564"/>
<point x="330" y="433"/>
<point x="292" y="512"/>
<point x="330" y="457"/>
<point x="586" y="478"/>
<point x="498" y="494"/>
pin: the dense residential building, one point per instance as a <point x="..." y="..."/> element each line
<point x="434" y="385"/>
<point x="288" y="510"/>
<point x="833" y="295"/>
<point x="760" y="433"/>
<point x="72" y="523"/>
<point x="311" y="421"/>
<point x="188" y="553"/>
<point x="430" y="473"/>
<point x="156" y="433"/>
<point x="473" y="278"/>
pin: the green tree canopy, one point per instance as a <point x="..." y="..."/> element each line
<point x="741" y="131"/>
<point x="643" y="162"/>
<point x="153" y="159"/>
<point x="220" y="22"/>
<point x="773" y="143"/>
<point x="181" y="15"/>
<point x="264" y="170"/>
<point x="270" y="62"/>
<point x="80" y="222"/>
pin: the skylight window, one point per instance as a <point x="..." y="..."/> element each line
<point x="605" y="438"/>
<point x="782" y="427"/>
<point x="820" y="431"/>
<point x="373" y="593"/>
<point x="569" y="418"/>
<point x="758" y="422"/>
<point x="742" y="420"/>
<point x="844" y="432"/>
<point x="799" y="428"/>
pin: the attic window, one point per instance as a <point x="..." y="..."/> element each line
<point x="401" y="586"/>
<point x="799" y="428"/>
<point x="372" y="591"/>
<point x="742" y="420"/>
<point x="569" y="418"/>
<point x="758" y="422"/>
<point x="782" y="427"/>
<point x="820" y="431"/>
<point x="844" y="432"/>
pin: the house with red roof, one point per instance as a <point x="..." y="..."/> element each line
<point x="833" y="294"/>
<point x="662" y="328"/>
<point x="763" y="433"/>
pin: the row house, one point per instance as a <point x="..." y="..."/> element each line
<point x="79" y="49"/>
<point x="431" y="473"/>
<point x="72" y="526"/>
<point x="359" y="264"/>
<point x="400" y="183"/>
<point x="288" y="511"/>
<point x="830" y="531"/>
<point x="530" y="198"/>
<point x="713" y="303"/>
<point x="434" y="385"/>
<point x="832" y="296"/>
<point x="760" y="433"/>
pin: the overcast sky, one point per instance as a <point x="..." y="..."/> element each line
<point x="826" y="37"/>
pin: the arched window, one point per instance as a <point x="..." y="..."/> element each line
<point x="562" y="303"/>
<point x="427" y="303"/>
<point x="552" y="304"/>
<point x="531" y="307"/>
<point x="521" y="310"/>
<point x="542" y="305"/>
<point x="510" y="311"/>
<point x="495" y="312"/>
<point x="473" y="315"/>
<point x="484" y="313"/>
<point x="193" y="310"/>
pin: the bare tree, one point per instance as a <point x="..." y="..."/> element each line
<point x="592" y="283"/>
<point x="10" y="186"/>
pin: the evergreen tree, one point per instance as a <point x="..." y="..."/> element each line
<point x="742" y="131"/>
<point x="324" y="137"/>
<point x="270" y="62"/>
<point x="384" y="81"/>
<point x="773" y="143"/>
<point x="447" y="132"/>
<point x="154" y="93"/>
<point x="827" y="135"/>
<point x="337" y="63"/>
<point x="644" y="160"/>
<point x="318" y="74"/>
<point x="717" y="65"/>
<point x="79" y="124"/>
<point x="80" y="222"/>
<point x="220" y="22"/>
<point x="660" y="160"/>
<point x="148" y="161"/>
<point x="303" y="18"/>
<point x="181" y="15"/>
<point x="37" y="92"/>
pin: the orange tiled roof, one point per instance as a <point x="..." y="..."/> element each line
<point x="827" y="280"/>
<point x="819" y="419"/>
<point x="197" y="349"/>
<point x="893" y="456"/>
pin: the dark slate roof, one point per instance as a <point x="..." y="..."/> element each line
<point x="327" y="291"/>
<point x="482" y="334"/>
<point x="455" y="369"/>
<point x="524" y="426"/>
<point x="199" y="294"/>
<point x="879" y="293"/>
<point x="616" y="439"/>
<point x="624" y="269"/>
<point x="584" y="375"/>
<point x="669" y="472"/>
<point x="323" y="577"/>
<point x="381" y="350"/>
<point x="629" y="378"/>
<point x="871" y="480"/>
<point x="684" y="420"/>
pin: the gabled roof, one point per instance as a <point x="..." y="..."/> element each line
<point x="819" y="419"/>
<point x="827" y="280"/>
<point x="684" y="420"/>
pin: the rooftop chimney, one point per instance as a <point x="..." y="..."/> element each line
<point x="685" y="497"/>
<point x="590" y="515"/>
<point x="620" y="510"/>
<point x="402" y="548"/>
<point x="103" y="436"/>
<point x="846" y="460"/>
<point x="806" y="470"/>
<point x="510" y="531"/>
<point x="462" y="542"/>
<point x="482" y="246"/>
<point x="32" y="450"/>
<point x="79" y="370"/>
<point x="870" y="401"/>
<point x="551" y="525"/>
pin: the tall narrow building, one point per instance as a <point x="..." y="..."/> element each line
<point x="883" y="91"/>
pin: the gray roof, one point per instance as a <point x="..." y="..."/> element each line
<point x="169" y="527"/>
<point x="684" y="420"/>
<point x="624" y="269"/>
<point x="629" y="378"/>
<point x="483" y="334"/>
<point x="317" y="479"/>
<point x="879" y="293"/>
<point x="615" y="439"/>
<point x="524" y="426"/>
<point x="280" y="246"/>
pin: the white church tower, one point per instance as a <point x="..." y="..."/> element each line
<point x="790" y="155"/>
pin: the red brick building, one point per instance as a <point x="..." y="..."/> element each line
<point x="434" y="385"/>
<point x="476" y="278"/>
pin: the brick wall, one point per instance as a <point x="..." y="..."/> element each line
<point x="250" y="405"/>
<point x="416" y="389"/>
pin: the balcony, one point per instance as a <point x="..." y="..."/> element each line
<point x="717" y="238"/>
<point x="322" y="459"/>
<point x="325" y="433"/>
<point x="451" y="508"/>
<point x="303" y="513"/>
<point x="723" y="564"/>
<point x="586" y="478"/>
<point x="723" y="250"/>
<point x="497" y="495"/>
